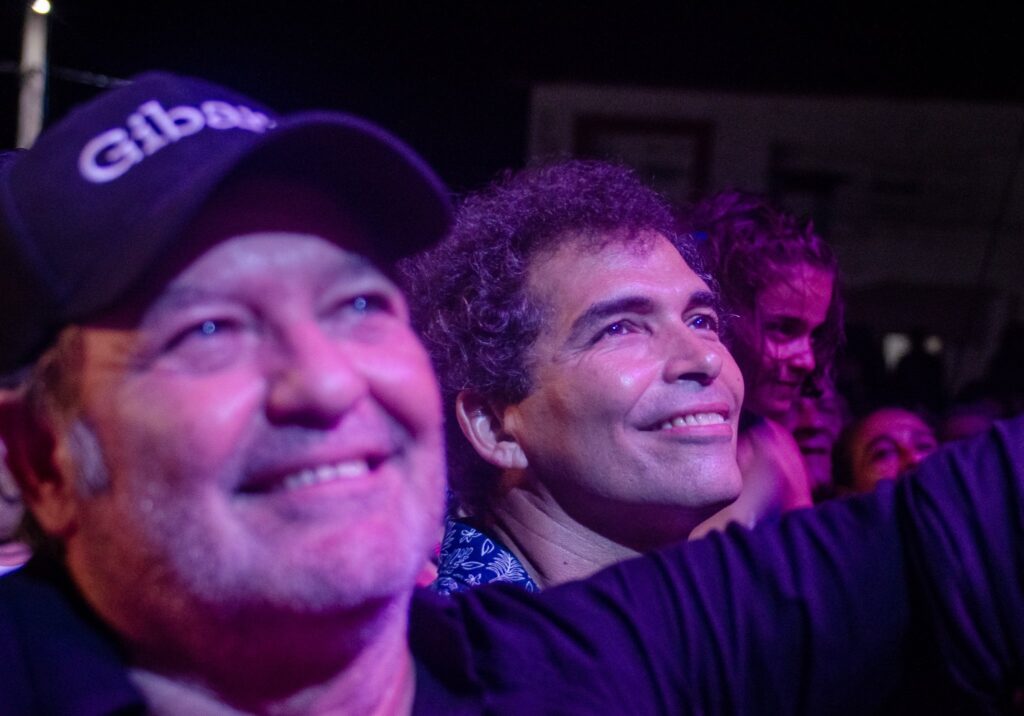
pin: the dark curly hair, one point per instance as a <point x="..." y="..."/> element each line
<point x="747" y="244"/>
<point x="469" y="294"/>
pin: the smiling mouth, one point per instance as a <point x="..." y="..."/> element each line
<point x="692" y="420"/>
<point x="341" y="471"/>
<point x="346" y="470"/>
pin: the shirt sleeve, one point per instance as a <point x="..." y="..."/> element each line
<point x="962" y="520"/>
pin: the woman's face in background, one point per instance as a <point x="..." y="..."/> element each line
<point x="816" y="422"/>
<point x="776" y="340"/>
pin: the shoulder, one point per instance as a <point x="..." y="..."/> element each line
<point x="765" y="442"/>
<point x="54" y="638"/>
<point x="769" y="437"/>
<point x="580" y="647"/>
<point x="767" y="452"/>
<point x="14" y="677"/>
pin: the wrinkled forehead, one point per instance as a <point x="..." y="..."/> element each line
<point x="587" y="276"/>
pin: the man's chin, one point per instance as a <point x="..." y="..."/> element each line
<point x="333" y="588"/>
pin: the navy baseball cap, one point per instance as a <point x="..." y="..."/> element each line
<point x="107" y="191"/>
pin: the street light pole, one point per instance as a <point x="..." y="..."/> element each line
<point x="32" y="72"/>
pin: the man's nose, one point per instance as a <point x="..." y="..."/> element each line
<point x="314" y="380"/>
<point x="691" y="357"/>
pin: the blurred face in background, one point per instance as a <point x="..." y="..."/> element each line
<point x="886" y="444"/>
<point x="815" y="422"/>
<point x="776" y="340"/>
<point x="12" y="552"/>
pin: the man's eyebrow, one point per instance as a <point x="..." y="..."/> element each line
<point x="602" y="310"/>
<point x="704" y="299"/>
<point x="178" y="297"/>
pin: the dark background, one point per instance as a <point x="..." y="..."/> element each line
<point x="453" y="77"/>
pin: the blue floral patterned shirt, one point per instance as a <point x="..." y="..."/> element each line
<point x="470" y="558"/>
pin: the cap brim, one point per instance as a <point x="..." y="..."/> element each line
<point x="391" y="193"/>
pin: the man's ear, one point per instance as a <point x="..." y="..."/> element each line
<point x="482" y="424"/>
<point x="31" y="446"/>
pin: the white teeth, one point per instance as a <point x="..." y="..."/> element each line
<point x="692" y="419"/>
<point x="352" y="468"/>
<point x="325" y="473"/>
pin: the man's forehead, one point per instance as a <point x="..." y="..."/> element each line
<point x="265" y="265"/>
<point x="584" y="282"/>
<point x="547" y="268"/>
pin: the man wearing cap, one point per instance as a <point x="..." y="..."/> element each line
<point x="227" y="409"/>
<point x="229" y="443"/>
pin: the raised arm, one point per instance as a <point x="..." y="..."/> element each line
<point x="844" y="609"/>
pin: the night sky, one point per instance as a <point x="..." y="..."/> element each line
<point x="453" y="78"/>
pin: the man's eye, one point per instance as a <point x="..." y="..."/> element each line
<point x="361" y="314"/>
<point x="704" y="322"/>
<point x="204" y="345"/>
<point x="367" y="303"/>
<point x="203" y="330"/>
<point x="618" y="328"/>
<point x="208" y="328"/>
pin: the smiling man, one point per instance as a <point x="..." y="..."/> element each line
<point x="227" y="415"/>
<point x="579" y="354"/>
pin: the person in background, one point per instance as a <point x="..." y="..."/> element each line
<point x="815" y="420"/>
<point x="778" y="279"/>
<point x="882" y="445"/>
<point x="593" y="410"/>
<point x="13" y="551"/>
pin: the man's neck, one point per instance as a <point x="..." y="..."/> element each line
<point x="377" y="678"/>
<point x="552" y="546"/>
